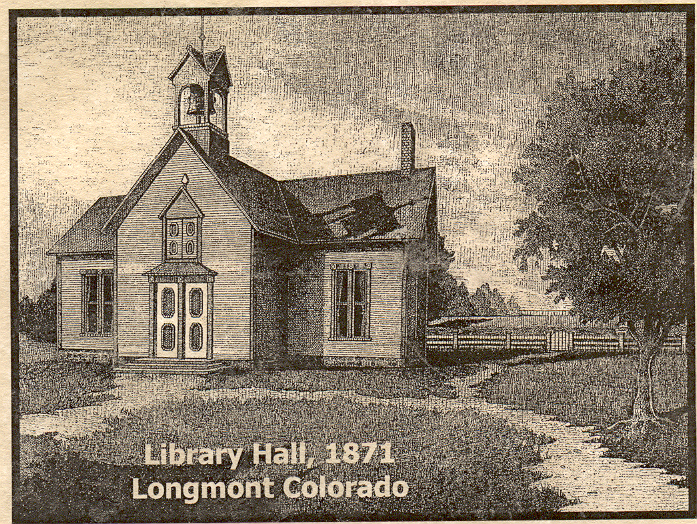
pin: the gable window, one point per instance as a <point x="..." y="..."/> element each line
<point x="181" y="227"/>
<point x="181" y="238"/>
<point x="97" y="301"/>
<point x="351" y="301"/>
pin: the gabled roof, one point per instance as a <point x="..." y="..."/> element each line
<point x="143" y="183"/>
<point x="379" y="206"/>
<point x="181" y="206"/>
<point x="208" y="62"/>
<point x="86" y="235"/>
<point x="258" y="195"/>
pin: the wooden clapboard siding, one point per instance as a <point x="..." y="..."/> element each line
<point x="71" y="306"/>
<point x="306" y="305"/>
<point x="415" y="311"/>
<point x="385" y="304"/>
<point x="59" y="299"/>
<point x="270" y="303"/>
<point x="226" y="245"/>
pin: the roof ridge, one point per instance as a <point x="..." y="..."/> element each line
<point x="143" y="176"/>
<point x="285" y="204"/>
<point x="365" y="173"/>
<point x="245" y="164"/>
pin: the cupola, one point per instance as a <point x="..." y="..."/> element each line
<point x="201" y="84"/>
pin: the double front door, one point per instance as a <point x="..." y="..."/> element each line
<point x="182" y="321"/>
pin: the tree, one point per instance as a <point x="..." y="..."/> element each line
<point x="38" y="318"/>
<point x="611" y="170"/>
<point x="442" y="285"/>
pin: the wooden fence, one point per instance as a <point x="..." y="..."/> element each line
<point x="441" y="342"/>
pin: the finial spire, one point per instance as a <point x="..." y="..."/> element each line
<point x="202" y="37"/>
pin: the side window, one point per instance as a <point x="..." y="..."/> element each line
<point x="107" y="301"/>
<point x="351" y="302"/>
<point x="91" y="292"/>
<point x="97" y="301"/>
<point x="341" y="279"/>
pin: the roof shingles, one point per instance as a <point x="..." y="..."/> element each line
<point x="387" y="205"/>
<point x="86" y="235"/>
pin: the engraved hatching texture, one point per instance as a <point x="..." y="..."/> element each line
<point x="306" y="305"/>
<point x="71" y="306"/>
<point x="270" y="282"/>
<point x="311" y="200"/>
<point x="385" y="307"/>
<point x="226" y="249"/>
<point x="404" y="196"/>
<point x="86" y="235"/>
<point x="311" y="96"/>
<point x="575" y="466"/>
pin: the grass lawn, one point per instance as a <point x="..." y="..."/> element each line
<point x="457" y="465"/>
<point x="45" y="387"/>
<point x="383" y="383"/>
<point x="599" y="392"/>
<point x="47" y="383"/>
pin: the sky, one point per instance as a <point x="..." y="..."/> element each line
<point x="313" y="96"/>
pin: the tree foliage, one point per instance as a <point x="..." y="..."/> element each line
<point x="38" y="318"/>
<point x="447" y="297"/>
<point x="611" y="170"/>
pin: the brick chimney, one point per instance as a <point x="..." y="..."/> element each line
<point x="407" y="159"/>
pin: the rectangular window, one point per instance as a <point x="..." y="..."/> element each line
<point x="181" y="238"/>
<point x="97" y="301"/>
<point x="351" y="294"/>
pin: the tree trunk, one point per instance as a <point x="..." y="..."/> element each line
<point x="643" y="401"/>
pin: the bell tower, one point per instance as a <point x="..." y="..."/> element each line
<point x="201" y="84"/>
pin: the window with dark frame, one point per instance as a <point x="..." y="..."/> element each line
<point x="351" y="287"/>
<point x="97" y="301"/>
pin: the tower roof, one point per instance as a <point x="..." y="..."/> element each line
<point x="209" y="62"/>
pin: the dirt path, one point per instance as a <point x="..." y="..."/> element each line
<point x="577" y="468"/>
<point x="571" y="464"/>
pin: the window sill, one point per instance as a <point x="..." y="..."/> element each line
<point x="96" y="334"/>
<point x="350" y="339"/>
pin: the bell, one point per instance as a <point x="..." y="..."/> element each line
<point x="196" y="101"/>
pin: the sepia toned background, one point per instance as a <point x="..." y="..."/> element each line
<point x="313" y="96"/>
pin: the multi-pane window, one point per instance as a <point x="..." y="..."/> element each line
<point x="351" y="292"/>
<point x="181" y="238"/>
<point x="97" y="301"/>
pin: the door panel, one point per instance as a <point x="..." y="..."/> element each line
<point x="167" y="324"/>
<point x="196" y="321"/>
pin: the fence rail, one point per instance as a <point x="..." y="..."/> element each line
<point x="441" y="342"/>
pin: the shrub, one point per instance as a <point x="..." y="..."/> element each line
<point x="38" y="318"/>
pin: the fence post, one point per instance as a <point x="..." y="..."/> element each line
<point x="573" y="341"/>
<point x="549" y="342"/>
<point x="683" y="343"/>
<point x="508" y="341"/>
<point x="456" y="342"/>
<point x="620" y="338"/>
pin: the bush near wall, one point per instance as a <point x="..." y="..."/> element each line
<point x="38" y="318"/>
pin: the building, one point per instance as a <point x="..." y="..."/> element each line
<point x="208" y="262"/>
